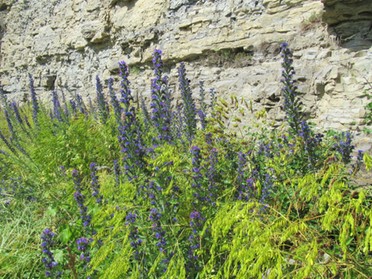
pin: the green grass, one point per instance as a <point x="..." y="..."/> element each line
<point x="288" y="208"/>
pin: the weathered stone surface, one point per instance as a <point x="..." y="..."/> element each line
<point x="350" y="21"/>
<point x="233" y="45"/>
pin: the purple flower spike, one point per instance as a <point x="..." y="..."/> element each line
<point x="35" y="103"/>
<point x="95" y="183"/>
<point x="80" y="199"/>
<point x="189" y="110"/>
<point x="47" y="244"/>
<point x="101" y="101"/>
<point x="196" y="225"/>
<point x="292" y="105"/>
<point x="160" y="100"/>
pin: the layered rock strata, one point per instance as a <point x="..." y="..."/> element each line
<point x="232" y="45"/>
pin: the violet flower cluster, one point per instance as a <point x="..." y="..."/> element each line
<point x="212" y="175"/>
<point x="130" y="135"/>
<point x="56" y="106"/>
<point x="125" y="92"/>
<point x="266" y="187"/>
<point x="344" y="146"/>
<point x="83" y="246"/>
<point x="14" y="142"/>
<point x="21" y="122"/>
<point x="135" y="240"/>
<point x="178" y="123"/>
<point x="101" y="102"/>
<point x="189" y="110"/>
<point x="65" y="106"/>
<point x="35" y="103"/>
<point x="197" y="175"/>
<point x="213" y="95"/>
<point x="15" y="109"/>
<point x="73" y="106"/>
<point x="310" y="143"/>
<point x="10" y="125"/>
<point x="196" y="224"/>
<point x="158" y="231"/>
<point x="155" y="195"/>
<point x="95" y="183"/>
<point x="114" y="100"/>
<point x="3" y="138"/>
<point x="160" y="100"/>
<point x="202" y="111"/>
<point x="145" y="112"/>
<point x="80" y="104"/>
<point x="292" y="104"/>
<point x="47" y="244"/>
<point x="242" y="191"/>
<point x="80" y="199"/>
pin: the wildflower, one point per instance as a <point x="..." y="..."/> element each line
<point x="152" y="192"/>
<point x="212" y="176"/>
<point x="95" y="183"/>
<point x="85" y="218"/>
<point x="159" y="233"/>
<point x="145" y="111"/>
<point x="242" y="189"/>
<point x="35" y="104"/>
<point x="80" y="104"/>
<point x="209" y="138"/>
<point x="25" y="118"/>
<point x="292" y="105"/>
<point x="196" y="225"/>
<point x="265" y="189"/>
<point x="197" y="175"/>
<point x="189" y="110"/>
<point x="130" y="134"/>
<point x="73" y="106"/>
<point x="83" y="246"/>
<point x="50" y="263"/>
<point x="178" y="122"/>
<point x="101" y="102"/>
<point x="67" y="113"/>
<point x="136" y="242"/>
<point x="130" y="218"/>
<point x="344" y="146"/>
<point x="56" y="106"/>
<point x="114" y="100"/>
<point x="80" y="199"/>
<point x="10" y="125"/>
<point x="202" y="112"/>
<point x="3" y="138"/>
<point x="213" y="95"/>
<point x="14" y="106"/>
<point x="160" y="99"/>
<point x="126" y="95"/>
<point x="310" y="142"/>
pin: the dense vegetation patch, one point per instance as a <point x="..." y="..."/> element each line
<point x="115" y="188"/>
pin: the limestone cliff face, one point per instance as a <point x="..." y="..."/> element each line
<point x="233" y="45"/>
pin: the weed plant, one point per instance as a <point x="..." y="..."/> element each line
<point x="170" y="191"/>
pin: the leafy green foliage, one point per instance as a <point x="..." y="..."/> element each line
<point x="253" y="202"/>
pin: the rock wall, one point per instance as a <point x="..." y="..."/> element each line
<point x="232" y="45"/>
